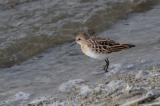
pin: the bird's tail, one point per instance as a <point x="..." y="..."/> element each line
<point x="129" y="45"/>
<point x="120" y="47"/>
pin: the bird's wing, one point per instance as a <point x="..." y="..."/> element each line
<point x="102" y="41"/>
<point x="101" y="45"/>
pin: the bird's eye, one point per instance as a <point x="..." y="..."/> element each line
<point x="78" y="39"/>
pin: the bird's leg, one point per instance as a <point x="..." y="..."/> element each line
<point x="106" y="65"/>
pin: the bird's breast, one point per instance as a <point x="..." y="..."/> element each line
<point x="89" y="52"/>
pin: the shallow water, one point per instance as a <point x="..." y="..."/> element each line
<point x="28" y="27"/>
<point x="41" y="75"/>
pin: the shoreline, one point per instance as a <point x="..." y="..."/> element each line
<point x="130" y="82"/>
<point x="44" y="77"/>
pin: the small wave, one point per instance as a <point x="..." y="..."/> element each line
<point x="20" y="96"/>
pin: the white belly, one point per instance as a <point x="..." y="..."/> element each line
<point x="94" y="55"/>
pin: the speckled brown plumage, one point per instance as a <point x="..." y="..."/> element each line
<point x="100" y="45"/>
<point x="105" y="45"/>
<point x="98" y="48"/>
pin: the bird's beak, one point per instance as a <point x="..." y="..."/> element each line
<point x="73" y="43"/>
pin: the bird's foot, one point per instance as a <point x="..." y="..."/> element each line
<point x="106" y="65"/>
<point x="105" y="68"/>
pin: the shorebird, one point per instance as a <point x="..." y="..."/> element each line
<point x="98" y="48"/>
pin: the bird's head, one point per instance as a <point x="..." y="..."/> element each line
<point x="81" y="38"/>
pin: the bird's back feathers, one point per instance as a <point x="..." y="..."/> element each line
<point x="103" y="46"/>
